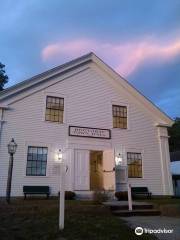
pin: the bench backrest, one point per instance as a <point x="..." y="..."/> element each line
<point x="38" y="189"/>
<point x="139" y="189"/>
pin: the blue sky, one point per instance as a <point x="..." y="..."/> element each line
<point x="139" y="39"/>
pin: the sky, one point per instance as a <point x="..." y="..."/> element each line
<point x="139" y="39"/>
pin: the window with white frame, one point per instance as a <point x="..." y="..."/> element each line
<point x="134" y="162"/>
<point x="36" y="161"/>
<point x="54" y="109"/>
<point x="119" y="116"/>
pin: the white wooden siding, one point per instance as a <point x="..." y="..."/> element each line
<point x="88" y="102"/>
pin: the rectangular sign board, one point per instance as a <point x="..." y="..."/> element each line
<point x="89" y="132"/>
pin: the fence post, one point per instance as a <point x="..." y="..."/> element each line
<point x="62" y="196"/>
<point x="129" y="197"/>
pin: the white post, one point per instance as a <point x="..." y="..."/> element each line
<point x="129" y="197"/>
<point x="62" y="196"/>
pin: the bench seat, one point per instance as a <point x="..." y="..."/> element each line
<point x="36" y="190"/>
<point x="141" y="191"/>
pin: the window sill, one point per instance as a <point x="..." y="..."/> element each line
<point x="136" y="178"/>
<point x="55" y="123"/>
<point x="120" y="129"/>
<point x="47" y="176"/>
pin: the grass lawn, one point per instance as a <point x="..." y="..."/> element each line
<point x="38" y="219"/>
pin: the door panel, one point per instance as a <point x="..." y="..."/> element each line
<point x="96" y="170"/>
<point x="108" y="167"/>
<point x="81" y="170"/>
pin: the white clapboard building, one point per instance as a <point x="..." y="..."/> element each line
<point x="96" y="119"/>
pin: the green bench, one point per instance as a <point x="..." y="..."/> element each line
<point x="141" y="191"/>
<point x="36" y="190"/>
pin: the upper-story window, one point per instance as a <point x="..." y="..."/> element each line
<point x="36" y="161"/>
<point x="119" y="116"/>
<point x="54" y="109"/>
<point x="134" y="161"/>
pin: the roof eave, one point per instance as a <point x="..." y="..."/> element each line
<point x="45" y="75"/>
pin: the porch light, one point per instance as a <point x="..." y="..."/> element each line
<point x="60" y="155"/>
<point x="12" y="146"/>
<point x="118" y="159"/>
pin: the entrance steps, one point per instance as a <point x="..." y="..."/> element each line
<point x="84" y="195"/>
<point x="88" y="195"/>
<point x="120" y="208"/>
<point x="136" y="212"/>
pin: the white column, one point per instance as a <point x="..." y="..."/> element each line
<point x="165" y="161"/>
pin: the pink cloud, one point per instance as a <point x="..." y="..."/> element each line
<point x="124" y="57"/>
<point x="71" y="48"/>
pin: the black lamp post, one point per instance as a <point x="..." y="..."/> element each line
<point x="12" y="146"/>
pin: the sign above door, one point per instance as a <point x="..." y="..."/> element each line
<point x="89" y="132"/>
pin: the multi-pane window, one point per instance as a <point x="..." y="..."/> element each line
<point x="119" y="116"/>
<point x="54" y="109"/>
<point x="36" y="161"/>
<point x="134" y="161"/>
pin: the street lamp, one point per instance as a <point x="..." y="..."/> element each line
<point x="12" y="146"/>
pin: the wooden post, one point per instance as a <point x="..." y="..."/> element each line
<point x="9" y="180"/>
<point x="62" y="196"/>
<point x="129" y="197"/>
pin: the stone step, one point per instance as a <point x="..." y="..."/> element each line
<point x="136" y="212"/>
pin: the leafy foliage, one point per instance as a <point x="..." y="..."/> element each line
<point x="70" y="195"/>
<point x="174" y="133"/>
<point x="3" y="76"/>
<point x="121" y="196"/>
<point x="100" y="196"/>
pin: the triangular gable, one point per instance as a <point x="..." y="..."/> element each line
<point x="76" y="63"/>
<point x="148" y="104"/>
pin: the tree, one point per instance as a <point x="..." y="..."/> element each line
<point x="3" y="76"/>
<point x="174" y="133"/>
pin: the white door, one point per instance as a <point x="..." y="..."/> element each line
<point x="81" y="170"/>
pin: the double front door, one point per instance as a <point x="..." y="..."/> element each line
<point x="81" y="162"/>
<point x="94" y="169"/>
<point x="88" y="170"/>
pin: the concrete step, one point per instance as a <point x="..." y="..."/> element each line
<point x="136" y="212"/>
<point x="88" y="195"/>
<point x="84" y="195"/>
<point x="123" y="205"/>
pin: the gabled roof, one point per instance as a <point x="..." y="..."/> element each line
<point x="19" y="87"/>
<point x="76" y="63"/>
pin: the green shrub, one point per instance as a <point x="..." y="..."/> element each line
<point x="100" y="196"/>
<point x="121" y="196"/>
<point x="70" y="195"/>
